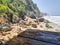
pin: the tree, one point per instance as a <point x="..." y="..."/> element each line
<point x="11" y="7"/>
<point x="3" y="9"/>
<point x="22" y="11"/>
<point x="4" y="2"/>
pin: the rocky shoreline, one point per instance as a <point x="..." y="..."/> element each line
<point x="36" y="37"/>
<point x="30" y="32"/>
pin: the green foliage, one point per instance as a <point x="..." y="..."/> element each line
<point x="3" y="8"/>
<point x="21" y="8"/>
<point x="4" y="2"/>
<point x="13" y="8"/>
<point x="3" y="14"/>
<point x="16" y="7"/>
<point x="10" y="11"/>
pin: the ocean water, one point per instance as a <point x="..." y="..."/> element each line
<point x="54" y="19"/>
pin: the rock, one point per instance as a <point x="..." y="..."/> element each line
<point x="41" y="26"/>
<point x="5" y="27"/>
<point x="22" y="22"/>
<point x="26" y="41"/>
<point x="33" y="17"/>
<point x="36" y="21"/>
<point x="44" y="36"/>
<point x="3" y="20"/>
<point x="28" y="23"/>
<point x="48" y="26"/>
<point x="2" y="43"/>
<point x="34" y="25"/>
<point x="41" y="20"/>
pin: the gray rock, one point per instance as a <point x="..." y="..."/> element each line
<point x="5" y="27"/>
<point x="45" y="36"/>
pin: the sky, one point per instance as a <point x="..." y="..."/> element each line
<point x="51" y="7"/>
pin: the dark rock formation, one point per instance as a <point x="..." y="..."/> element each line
<point x="36" y="37"/>
<point x="34" y="25"/>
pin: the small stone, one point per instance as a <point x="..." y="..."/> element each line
<point x="34" y="25"/>
<point x="41" y="20"/>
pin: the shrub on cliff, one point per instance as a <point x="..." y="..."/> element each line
<point x="3" y="8"/>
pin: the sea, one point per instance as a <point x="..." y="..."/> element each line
<point x="54" y="19"/>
